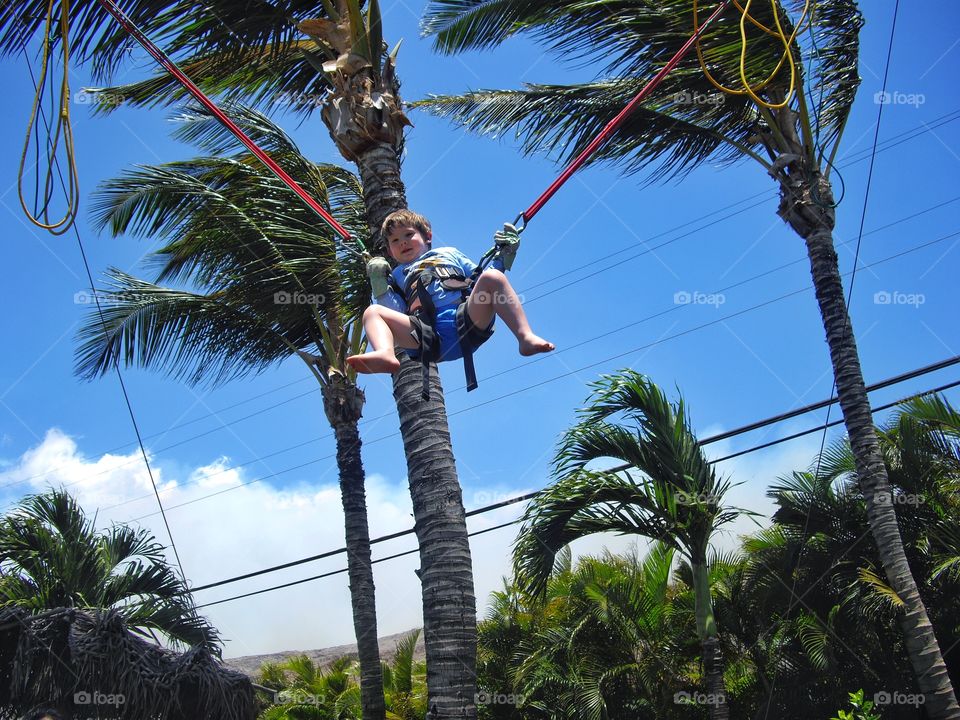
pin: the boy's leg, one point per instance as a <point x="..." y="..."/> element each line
<point x="493" y="294"/>
<point x="385" y="329"/>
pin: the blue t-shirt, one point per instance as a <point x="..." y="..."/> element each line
<point x="448" y="257"/>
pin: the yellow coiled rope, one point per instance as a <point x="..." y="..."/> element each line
<point x="62" y="130"/>
<point x="787" y="57"/>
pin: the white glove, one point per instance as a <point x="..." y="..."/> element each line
<point x="507" y="242"/>
<point x="378" y="270"/>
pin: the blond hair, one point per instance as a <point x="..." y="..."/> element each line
<point x="405" y="218"/>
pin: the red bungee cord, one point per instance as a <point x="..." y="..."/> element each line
<point x="171" y="67"/>
<point x="611" y="126"/>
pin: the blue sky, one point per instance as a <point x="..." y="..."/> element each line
<point x="750" y="346"/>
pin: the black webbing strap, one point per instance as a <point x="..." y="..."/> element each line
<point x="429" y="343"/>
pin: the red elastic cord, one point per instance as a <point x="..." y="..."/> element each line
<point x="616" y="122"/>
<point x="162" y="58"/>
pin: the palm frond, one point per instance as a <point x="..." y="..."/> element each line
<point x="194" y="337"/>
<point x="581" y="504"/>
<point x="275" y="79"/>
<point x="677" y="130"/>
<point x="834" y="50"/>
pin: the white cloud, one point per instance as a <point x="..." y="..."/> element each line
<point x="237" y="532"/>
<point x="260" y="525"/>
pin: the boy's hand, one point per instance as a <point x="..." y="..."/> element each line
<point x="378" y="270"/>
<point x="507" y="242"/>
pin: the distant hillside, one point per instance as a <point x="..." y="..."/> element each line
<point x="250" y="664"/>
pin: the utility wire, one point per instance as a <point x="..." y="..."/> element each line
<point x="661" y="313"/>
<point x="889" y="382"/>
<point x="547" y="381"/>
<point x="513" y="501"/>
<point x="893" y="141"/>
<point x="116" y="366"/>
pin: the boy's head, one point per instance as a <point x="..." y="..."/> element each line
<point x="406" y="233"/>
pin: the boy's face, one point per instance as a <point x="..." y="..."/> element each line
<point x="405" y="243"/>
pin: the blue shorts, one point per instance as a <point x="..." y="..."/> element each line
<point x="455" y="331"/>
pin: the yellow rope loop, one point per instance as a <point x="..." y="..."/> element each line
<point x="747" y="88"/>
<point x="62" y="129"/>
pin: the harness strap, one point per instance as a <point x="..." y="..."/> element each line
<point x="427" y="315"/>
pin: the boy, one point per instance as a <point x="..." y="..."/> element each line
<point x="427" y="276"/>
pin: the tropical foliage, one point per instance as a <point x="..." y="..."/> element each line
<point x="664" y="489"/>
<point x="769" y="82"/>
<point x="805" y="622"/>
<point x="52" y="556"/>
<point x="299" y="689"/>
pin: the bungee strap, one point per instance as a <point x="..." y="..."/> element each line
<point x="171" y="67"/>
<point x="527" y="215"/>
<point x="429" y="342"/>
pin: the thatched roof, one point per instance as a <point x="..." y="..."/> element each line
<point x="87" y="663"/>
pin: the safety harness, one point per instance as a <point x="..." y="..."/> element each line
<point x="420" y="306"/>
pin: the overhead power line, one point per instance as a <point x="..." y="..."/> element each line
<point x="772" y="420"/>
<point x="891" y="142"/>
<point x="116" y="366"/>
<point x="513" y="501"/>
<point x="568" y="373"/>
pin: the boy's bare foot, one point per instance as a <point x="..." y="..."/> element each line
<point x="534" y="344"/>
<point x="381" y="361"/>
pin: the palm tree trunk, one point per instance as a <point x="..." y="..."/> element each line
<point x="446" y="570"/>
<point x="707" y="629"/>
<point x="814" y="222"/>
<point x="343" y="403"/>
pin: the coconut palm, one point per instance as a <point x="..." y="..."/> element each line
<point x="325" y="55"/>
<point x="52" y="556"/>
<point x="675" y="496"/>
<point x="846" y="628"/>
<point x="686" y="123"/>
<point x="273" y="284"/>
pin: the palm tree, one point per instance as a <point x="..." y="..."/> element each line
<point x="273" y="284"/>
<point x="794" y="137"/>
<point x="677" y="498"/>
<point x="52" y="556"/>
<point x="311" y="56"/>
<point x="328" y="56"/>
<point x="847" y="628"/>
